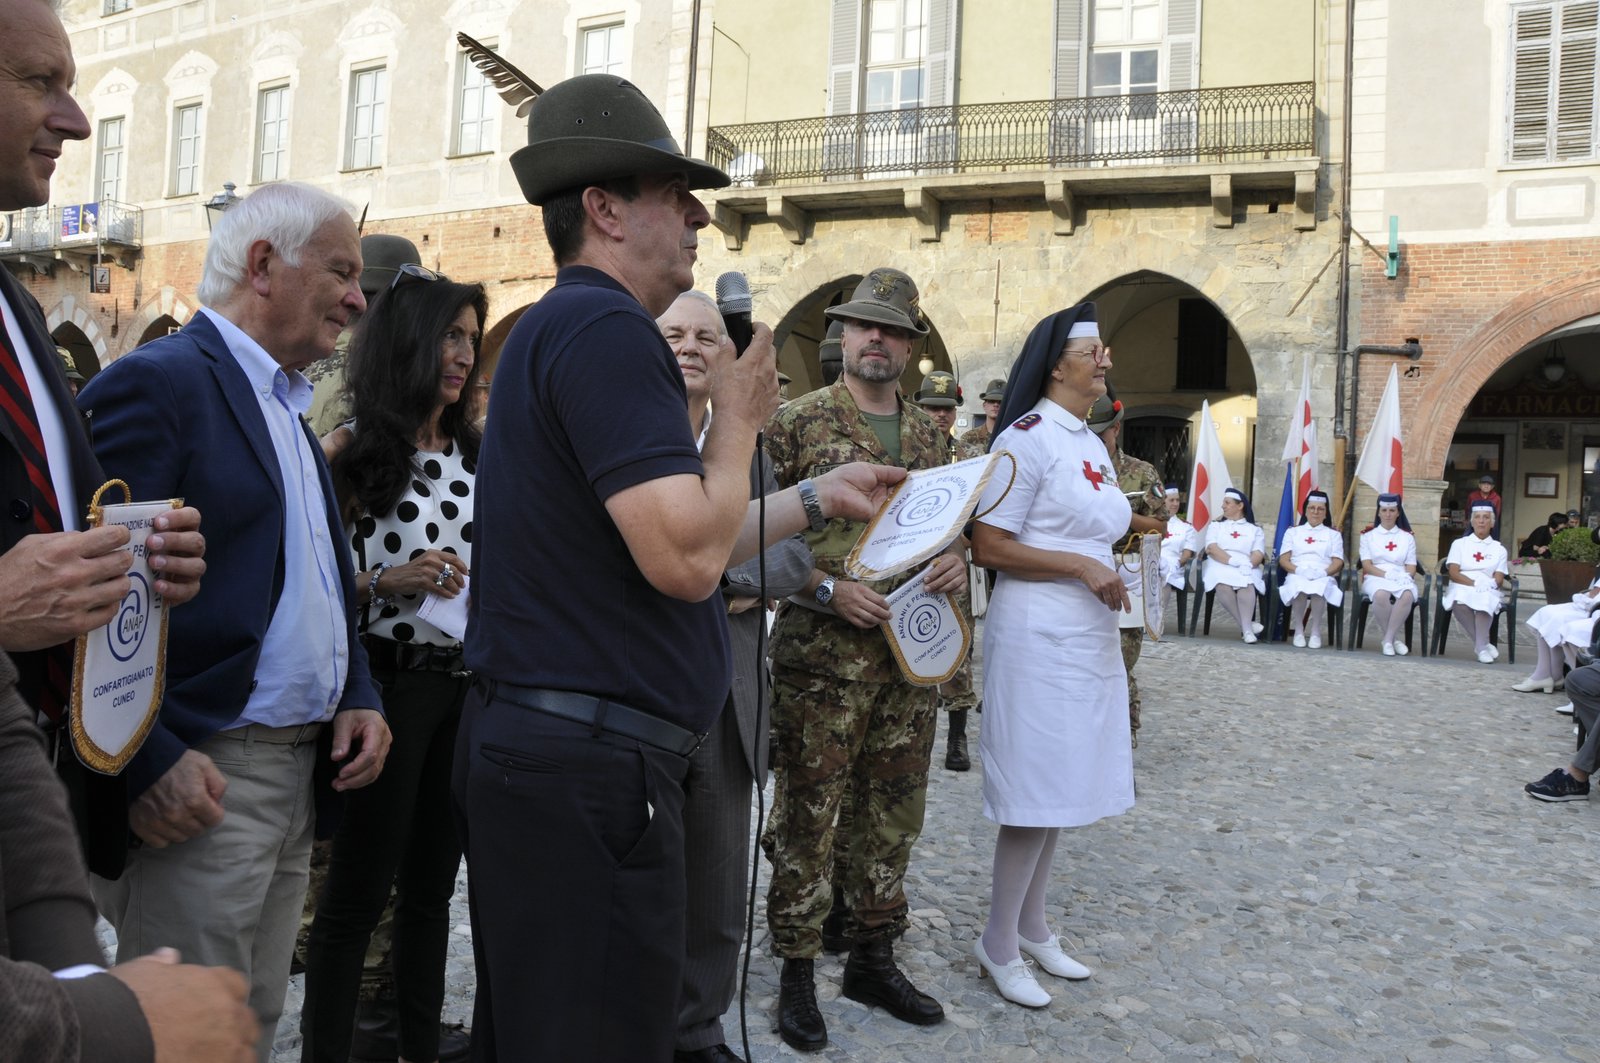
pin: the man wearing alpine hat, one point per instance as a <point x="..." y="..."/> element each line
<point x="596" y="631"/>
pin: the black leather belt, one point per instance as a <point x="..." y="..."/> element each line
<point x="413" y="656"/>
<point x="600" y="714"/>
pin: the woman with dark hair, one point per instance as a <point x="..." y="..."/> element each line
<point x="1311" y="556"/>
<point x="1388" y="555"/>
<point x="1476" y="571"/>
<point x="403" y="470"/>
<point x="1055" y="742"/>
<point x="1537" y="544"/>
<point x="1235" y="549"/>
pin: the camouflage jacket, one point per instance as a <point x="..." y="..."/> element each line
<point x="1142" y="485"/>
<point x="974" y="441"/>
<point x="809" y="436"/>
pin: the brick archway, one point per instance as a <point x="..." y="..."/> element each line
<point x="165" y="303"/>
<point x="1473" y="360"/>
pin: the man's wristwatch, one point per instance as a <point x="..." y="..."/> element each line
<point x="825" y="590"/>
<point x="813" y="505"/>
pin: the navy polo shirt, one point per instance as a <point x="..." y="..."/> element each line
<point x="588" y="401"/>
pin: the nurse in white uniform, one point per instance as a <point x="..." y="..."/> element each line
<point x="1177" y="545"/>
<point x="1562" y="628"/>
<point x="1055" y="743"/>
<point x="1235" y="548"/>
<point x="1477" y="570"/>
<point x="1388" y="571"/>
<point x="1311" y="556"/>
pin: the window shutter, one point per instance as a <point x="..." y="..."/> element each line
<point x="1181" y="46"/>
<point x="1532" y="37"/>
<point x="1069" y="49"/>
<point x="944" y="20"/>
<point x="844" y="57"/>
<point x="1575" y="87"/>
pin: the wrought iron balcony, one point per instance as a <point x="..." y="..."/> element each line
<point x="1242" y="124"/>
<point x="107" y="229"/>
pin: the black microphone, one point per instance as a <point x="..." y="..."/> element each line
<point x="733" y="303"/>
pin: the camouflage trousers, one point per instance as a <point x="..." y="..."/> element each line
<point x="834" y="736"/>
<point x="377" y="978"/>
<point x="1132" y="644"/>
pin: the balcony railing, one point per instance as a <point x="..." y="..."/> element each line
<point x="76" y="227"/>
<point x="1194" y="126"/>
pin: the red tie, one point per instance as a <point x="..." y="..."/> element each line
<point x="16" y="405"/>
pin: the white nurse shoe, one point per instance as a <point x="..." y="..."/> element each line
<point x="1049" y="955"/>
<point x="1015" y="982"/>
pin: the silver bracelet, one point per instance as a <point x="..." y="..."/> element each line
<point x="812" y="505"/>
<point x="373" y="597"/>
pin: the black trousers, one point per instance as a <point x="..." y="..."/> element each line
<point x="575" y="860"/>
<point x="400" y="832"/>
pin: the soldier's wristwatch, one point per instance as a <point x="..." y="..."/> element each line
<point x="825" y="590"/>
<point x="812" y="504"/>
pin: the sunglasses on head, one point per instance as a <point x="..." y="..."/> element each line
<point x="410" y="271"/>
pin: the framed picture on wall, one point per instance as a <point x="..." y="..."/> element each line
<point x="1541" y="484"/>
<point x="1544" y="437"/>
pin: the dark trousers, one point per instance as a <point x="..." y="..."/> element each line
<point x="400" y="832"/>
<point x="575" y="860"/>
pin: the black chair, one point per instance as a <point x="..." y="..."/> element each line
<point x="1358" y="628"/>
<point x="1441" y="616"/>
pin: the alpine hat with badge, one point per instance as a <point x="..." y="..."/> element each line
<point x="1106" y="411"/>
<point x="938" y="389"/>
<point x="884" y="297"/>
<point x="599" y="127"/>
<point x="995" y="391"/>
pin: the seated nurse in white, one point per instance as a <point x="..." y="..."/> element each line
<point x="1388" y="571"/>
<point x="1311" y="556"/>
<point x="1235" y="549"/>
<point x="1476" y="571"/>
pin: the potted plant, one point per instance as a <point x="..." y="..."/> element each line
<point x="1570" y="568"/>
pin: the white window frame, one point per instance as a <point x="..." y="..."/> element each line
<point x="273" y="131"/>
<point x="115" y="7"/>
<point x="475" y="130"/>
<point x="183" y="179"/>
<point x="365" y="151"/>
<point x="613" y="30"/>
<point x="1553" y="84"/>
<point x="111" y="160"/>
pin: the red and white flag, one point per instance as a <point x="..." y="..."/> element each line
<point x="1209" y="477"/>
<point x="1301" y="445"/>
<point x="1381" y="467"/>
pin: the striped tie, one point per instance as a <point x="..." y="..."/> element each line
<point x="16" y="405"/>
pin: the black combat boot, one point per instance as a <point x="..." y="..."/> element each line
<point x="955" y="742"/>
<point x="835" y="927"/>
<point x="799" y="1021"/>
<point x="871" y="977"/>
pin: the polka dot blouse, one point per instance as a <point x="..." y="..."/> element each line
<point x="435" y="513"/>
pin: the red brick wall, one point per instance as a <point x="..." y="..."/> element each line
<point x="1473" y="307"/>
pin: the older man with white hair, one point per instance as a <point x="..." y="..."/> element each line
<point x="268" y="700"/>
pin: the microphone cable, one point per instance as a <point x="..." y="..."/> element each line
<point x="761" y="710"/>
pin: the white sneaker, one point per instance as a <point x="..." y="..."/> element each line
<point x="1255" y="626"/>
<point x="1299" y="639"/>
<point x="1565" y="710"/>
<point x="1388" y="649"/>
<point x="1315" y="642"/>
<point x="1249" y="636"/>
<point x="1401" y="649"/>
<point x="1049" y="955"/>
<point x="1494" y="652"/>
<point x="1485" y="657"/>
<point x="1015" y="982"/>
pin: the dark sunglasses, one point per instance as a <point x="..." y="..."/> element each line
<point x="410" y="271"/>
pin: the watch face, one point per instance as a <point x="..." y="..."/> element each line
<point x="825" y="592"/>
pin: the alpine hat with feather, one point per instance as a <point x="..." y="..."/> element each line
<point x="594" y="128"/>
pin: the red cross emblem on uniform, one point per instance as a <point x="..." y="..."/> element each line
<point x="1392" y="546"/>
<point x="1477" y="557"/>
<point x="1310" y="539"/>
<point x="1092" y="476"/>
<point x="1234" y="534"/>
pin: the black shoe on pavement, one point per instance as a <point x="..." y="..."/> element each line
<point x="1558" y="786"/>
<point x="871" y="977"/>
<point x="955" y="742"/>
<point x="799" y="1019"/>
<point x="376" y="1038"/>
<point x="709" y="1054"/>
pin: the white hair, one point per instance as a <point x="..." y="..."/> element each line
<point x="716" y="312"/>
<point x="285" y="214"/>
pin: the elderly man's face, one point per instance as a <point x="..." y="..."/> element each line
<point x="37" y="111"/>
<point x="310" y="304"/>
<point x="694" y="332"/>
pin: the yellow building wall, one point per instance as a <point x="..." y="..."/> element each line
<point x="1257" y="42"/>
<point x="768" y="63"/>
<point x="1007" y="50"/>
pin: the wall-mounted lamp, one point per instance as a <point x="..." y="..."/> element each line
<point x="218" y="204"/>
<point x="1555" y="364"/>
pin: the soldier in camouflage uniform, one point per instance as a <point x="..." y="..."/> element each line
<point x="939" y="397"/>
<point x="1142" y="485"/>
<point x="843" y="716"/>
<point x="976" y="440"/>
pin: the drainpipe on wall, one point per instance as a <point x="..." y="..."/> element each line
<point x="694" y="65"/>
<point x="1342" y="324"/>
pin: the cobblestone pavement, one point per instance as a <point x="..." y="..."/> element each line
<point x="1331" y="858"/>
